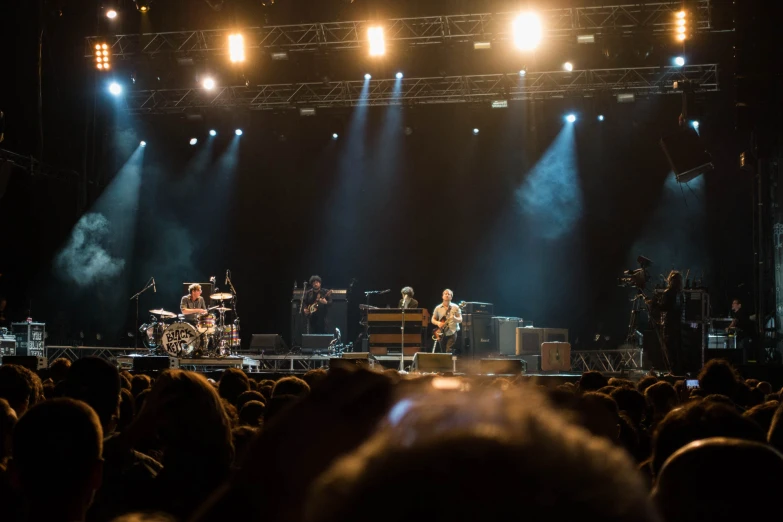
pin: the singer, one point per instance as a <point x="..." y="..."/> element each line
<point x="316" y="306"/>
<point x="407" y="300"/>
<point x="193" y="305"/>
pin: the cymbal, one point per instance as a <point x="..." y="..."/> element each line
<point x="163" y="313"/>
<point x="221" y="309"/>
<point x="221" y="296"/>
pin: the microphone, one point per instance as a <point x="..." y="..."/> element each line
<point x="226" y="277"/>
<point x="154" y="288"/>
<point x="385" y="291"/>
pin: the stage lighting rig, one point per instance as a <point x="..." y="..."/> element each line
<point x="377" y="43"/>
<point x="102" y="57"/>
<point x="527" y="31"/>
<point x="111" y="14"/>
<point x="143" y="6"/>
<point x="236" y="48"/>
<point x="681" y="25"/>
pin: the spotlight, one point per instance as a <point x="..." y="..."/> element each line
<point x="368" y="76"/>
<point x="522" y="72"/>
<point x="102" y="57"/>
<point x="377" y="45"/>
<point x="115" y="88"/>
<point x="111" y="14"/>
<point x="527" y="31"/>
<point x="213" y="132"/>
<point x="398" y="76"/>
<point x="142" y="143"/>
<point x="143" y="6"/>
<point x="679" y="61"/>
<point x="568" y="66"/>
<point x="600" y="117"/>
<point x="695" y="124"/>
<point x="681" y="25"/>
<point x="571" y="118"/>
<point x="335" y="136"/>
<point x="475" y="131"/>
<point x="193" y="141"/>
<point x="209" y="83"/>
<point x="236" y="48"/>
<point x="238" y="132"/>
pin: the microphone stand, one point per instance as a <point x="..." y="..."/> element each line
<point x="402" y="339"/>
<point x="136" y="297"/>
<point x="231" y="348"/>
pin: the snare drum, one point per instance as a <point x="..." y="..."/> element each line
<point x="182" y="339"/>
<point x="206" y="323"/>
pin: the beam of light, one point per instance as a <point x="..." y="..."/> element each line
<point x="600" y="117"/>
<point x="377" y="43"/>
<point x="550" y="197"/>
<point x="523" y="72"/>
<point x="527" y="31"/>
<point x="236" y="48"/>
<point x="115" y="88"/>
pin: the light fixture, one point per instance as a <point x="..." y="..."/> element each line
<point x="115" y="88"/>
<point x="193" y="141"/>
<point x="142" y="143"/>
<point x="585" y="38"/>
<point x="568" y="66"/>
<point x="212" y="132"/>
<point x="482" y="46"/>
<point x="571" y="118"/>
<point x="143" y="6"/>
<point x="111" y="14"/>
<point x="475" y="131"/>
<point x="236" y="48"/>
<point x="208" y="83"/>
<point x="679" y="61"/>
<point x="527" y="31"/>
<point x="102" y="56"/>
<point x="377" y="44"/>
<point x="368" y="76"/>
<point x="335" y="136"/>
<point x="695" y="124"/>
<point x="681" y="25"/>
<point x="238" y="132"/>
<point x="279" y="55"/>
<point x="626" y="97"/>
<point x="499" y="104"/>
<point x="398" y="76"/>
<point x="600" y="117"/>
<point x="306" y="111"/>
<point x="522" y="72"/>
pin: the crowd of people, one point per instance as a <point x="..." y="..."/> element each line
<point x="91" y="443"/>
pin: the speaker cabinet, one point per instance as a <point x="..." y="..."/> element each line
<point x="504" y="335"/>
<point x="501" y="366"/>
<point x="478" y="335"/>
<point x="555" y="357"/>
<point x="154" y="363"/>
<point x="268" y="344"/>
<point x="529" y="341"/>
<point x="350" y="361"/>
<point x="316" y="341"/>
<point x="31" y="362"/>
<point x="433" y="363"/>
<point x="555" y="335"/>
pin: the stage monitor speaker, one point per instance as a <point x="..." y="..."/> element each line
<point x="555" y="357"/>
<point x="316" y="341"/>
<point x="501" y="366"/>
<point x="529" y="341"/>
<point x="433" y="363"/>
<point x="31" y="362"/>
<point x="686" y="154"/>
<point x="504" y="334"/>
<point x="478" y="335"/>
<point x="154" y="363"/>
<point x="352" y="360"/>
<point x="267" y="344"/>
<point x="555" y="335"/>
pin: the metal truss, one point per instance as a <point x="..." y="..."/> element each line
<point x="409" y="91"/>
<point x="289" y="363"/>
<point x="623" y="19"/>
<point x="73" y="353"/>
<point x="620" y="360"/>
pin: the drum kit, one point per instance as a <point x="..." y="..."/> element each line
<point x="204" y="335"/>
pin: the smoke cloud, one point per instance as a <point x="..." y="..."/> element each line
<point x="85" y="260"/>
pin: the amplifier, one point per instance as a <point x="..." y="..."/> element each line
<point x="529" y="341"/>
<point x="471" y="307"/>
<point x="320" y="342"/>
<point x="29" y="338"/>
<point x="504" y="330"/>
<point x="433" y="363"/>
<point x="7" y="345"/>
<point x="555" y="357"/>
<point x="477" y="334"/>
<point x="555" y="335"/>
<point x="267" y="344"/>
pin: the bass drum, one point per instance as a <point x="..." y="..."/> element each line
<point x="182" y="340"/>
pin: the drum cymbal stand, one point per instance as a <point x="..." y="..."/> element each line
<point x="231" y="348"/>
<point x="150" y="284"/>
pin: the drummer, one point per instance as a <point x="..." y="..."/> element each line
<point x="193" y="305"/>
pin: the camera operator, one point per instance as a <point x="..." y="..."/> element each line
<point x="672" y="307"/>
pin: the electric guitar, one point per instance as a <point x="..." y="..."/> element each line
<point x="440" y="331"/>
<point x="311" y="309"/>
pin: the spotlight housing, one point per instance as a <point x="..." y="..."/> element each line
<point x="523" y="72"/>
<point x="398" y="76"/>
<point x="679" y="61"/>
<point x="143" y="6"/>
<point x="571" y="118"/>
<point x="600" y="117"/>
<point x="102" y="56"/>
<point x="368" y="76"/>
<point x="111" y="14"/>
<point x="115" y="88"/>
<point x="236" y="48"/>
<point x="568" y="66"/>
<point x="527" y="31"/>
<point x="238" y="132"/>
<point x="142" y="143"/>
<point x="475" y="131"/>
<point x="377" y="43"/>
<point x="212" y="132"/>
<point x="193" y="141"/>
<point x="208" y="83"/>
<point x="335" y="136"/>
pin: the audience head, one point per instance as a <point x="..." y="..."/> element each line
<point x="763" y="414"/>
<point x="241" y="437"/>
<point x="696" y="421"/>
<point x="645" y="382"/>
<point x="631" y="402"/>
<point x="16" y="388"/>
<point x="96" y="382"/>
<point x="127" y="409"/>
<point x="718" y="376"/>
<point x="291" y="386"/>
<point x="693" y="485"/>
<point x="58" y="369"/>
<point x="592" y="381"/>
<point x="252" y="414"/>
<point x="248" y="396"/>
<point x="661" y="397"/>
<point x="75" y="467"/>
<point x="7" y="422"/>
<point x="139" y="383"/>
<point x="765" y="387"/>
<point x="313" y="377"/>
<point x="775" y="433"/>
<point x="233" y="382"/>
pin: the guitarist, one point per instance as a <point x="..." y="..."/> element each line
<point x="447" y="317"/>
<point x="321" y="298"/>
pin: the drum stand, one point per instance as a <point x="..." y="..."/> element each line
<point x="136" y="296"/>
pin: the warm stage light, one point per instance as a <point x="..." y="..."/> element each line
<point x="142" y="143"/>
<point x="571" y="118"/>
<point x="568" y="66"/>
<point x="398" y="76"/>
<point x="377" y="45"/>
<point x="475" y="131"/>
<point x="522" y="72"/>
<point x="193" y="141"/>
<point x="208" y="83"/>
<point x="681" y="37"/>
<point x="680" y="14"/>
<point x="334" y="136"/>
<point x="143" y="5"/>
<point x="679" y="61"/>
<point x="98" y="47"/>
<point x="213" y="133"/>
<point x="236" y="48"/>
<point x="111" y="14"/>
<point x="527" y="31"/>
<point x="102" y="57"/>
<point x="115" y="88"/>
<point x="368" y="76"/>
<point x="238" y="132"/>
